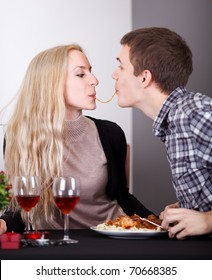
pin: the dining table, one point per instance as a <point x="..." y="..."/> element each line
<point x="93" y="245"/>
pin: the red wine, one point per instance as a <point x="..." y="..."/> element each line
<point x="66" y="203"/>
<point x="27" y="202"/>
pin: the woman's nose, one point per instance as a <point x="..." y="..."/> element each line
<point x="94" y="81"/>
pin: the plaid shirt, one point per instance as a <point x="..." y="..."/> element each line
<point x="184" y="124"/>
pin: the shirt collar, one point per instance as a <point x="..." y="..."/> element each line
<point x="160" y="122"/>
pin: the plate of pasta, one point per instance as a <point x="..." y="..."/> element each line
<point x="127" y="227"/>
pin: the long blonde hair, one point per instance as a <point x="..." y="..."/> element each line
<point x="34" y="144"/>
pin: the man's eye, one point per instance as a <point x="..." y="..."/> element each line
<point x="80" y="75"/>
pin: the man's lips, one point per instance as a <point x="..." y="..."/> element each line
<point x="93" y="95"/>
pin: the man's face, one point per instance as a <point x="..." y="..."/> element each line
<point x="126" y="83"/>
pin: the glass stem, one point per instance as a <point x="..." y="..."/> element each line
<point x="66" y="227"/>
<point x="28" y="224"/>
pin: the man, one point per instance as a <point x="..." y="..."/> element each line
<point x="154" y="68"/>
<point x="186" y="222"/>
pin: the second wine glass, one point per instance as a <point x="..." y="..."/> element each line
<point x="66" y="192"/>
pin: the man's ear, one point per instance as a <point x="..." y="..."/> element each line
<point x="145" y="78"/>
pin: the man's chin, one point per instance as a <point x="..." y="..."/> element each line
<point x="122" y="104"/>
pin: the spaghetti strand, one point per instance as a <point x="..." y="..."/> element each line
<point x="106" y="100"/>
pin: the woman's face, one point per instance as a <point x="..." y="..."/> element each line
<point x="80" y="83"/>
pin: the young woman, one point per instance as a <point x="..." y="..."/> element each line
<point x="49" y="136"/>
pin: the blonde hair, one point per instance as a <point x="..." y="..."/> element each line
<point x="34" y="143"/>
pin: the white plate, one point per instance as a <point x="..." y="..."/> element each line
<point x="130" y="234"/>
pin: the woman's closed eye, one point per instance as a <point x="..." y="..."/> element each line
<point x="80" y="75"/>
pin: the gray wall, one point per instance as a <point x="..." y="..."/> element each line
<point x="192" y="19"/>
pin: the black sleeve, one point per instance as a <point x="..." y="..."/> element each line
<point x="13" y="221"/>
<point x="115" y="147"/>
<point x="131" y="205"/>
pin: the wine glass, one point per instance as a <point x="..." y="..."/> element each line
<point x="66" y="193"/>
<point x="27" y="191"/>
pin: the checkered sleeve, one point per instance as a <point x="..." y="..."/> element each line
<point x="193" y="178"/>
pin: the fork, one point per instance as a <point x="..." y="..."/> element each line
<point x="146" y="220"/>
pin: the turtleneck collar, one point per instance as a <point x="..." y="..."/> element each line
<point x="75" y="129"/>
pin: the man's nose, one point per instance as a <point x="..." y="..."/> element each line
<point x="115" y="75"/>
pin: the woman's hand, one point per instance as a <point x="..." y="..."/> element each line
<point x="3" y="227"/>
<point x="186" y="222"/>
